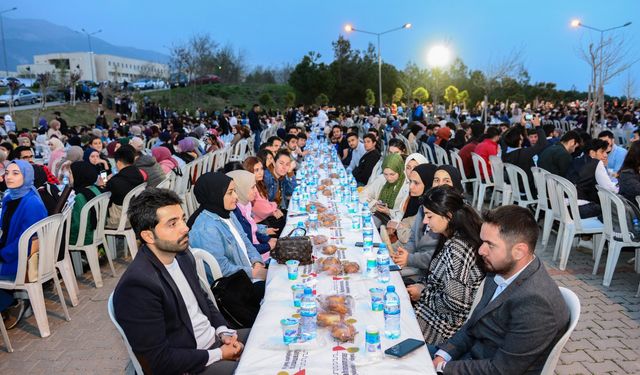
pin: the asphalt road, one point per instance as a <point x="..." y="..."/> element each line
<point x="5" y="109"/>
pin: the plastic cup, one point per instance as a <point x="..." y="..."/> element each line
<point x="289" y="330"/>
<point x="292" y="269"/>
<point x="298" y="292"/>
<point x="377" y="297"/>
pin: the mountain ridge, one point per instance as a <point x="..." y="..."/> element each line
<point x="28" y="37"/>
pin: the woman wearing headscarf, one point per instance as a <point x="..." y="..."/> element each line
<point x="74" y="153"/>
<point x="57" y="155"/>
<point x="21" y="208"/>
<point x="384" y="193"/>
<point x="163" y="157"/>
<point x="415" y="253"/>
<point x="83" y="178"/>
<point x="398" y="231"/>
<point x="410" y="162"/>
<point x="92" y="156"/>
<point x="444" y="297"/>
<point x="215" y="230"/>
<point x="186" y="150"/>
<point x="247" y="191"/>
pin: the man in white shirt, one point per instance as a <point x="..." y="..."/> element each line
<point x="357" y="150"/>
<point x="169" y="321"/>
<point x="521" y="314"/>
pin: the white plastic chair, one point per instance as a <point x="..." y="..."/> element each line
<point x="570" y="227"/>
<point x="427" y="152"/>
<point x="132" y="356"/>
<point x="441" y="155"/>
<point x="46" y="231"/>
<point x="64" y="265"/>
<point x="520" y="194"/>
<point x="540" y="179"/>
<point x="5" y="337"/>
<point x="100" y="205"/>
<point x="167" y="182"/>
<point x="499" y="183"/>
<point x="456" y="161"/>
<point x="618" y="238"/>
<point x="121" y="230"/>
<point x="573" y="303"/>
<point x="484" y="181"/>
<point x="205" y="258"/>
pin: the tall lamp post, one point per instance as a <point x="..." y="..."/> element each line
<point x="89" y="35"/>
<point x="350" y="28"/>
<point x="577" y="23"/>
<point x="4" y="45"/>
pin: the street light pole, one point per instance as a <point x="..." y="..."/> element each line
<point x="350" y="28"/>
<point x="4" y="45"/>
<point x="600" y="89"/>
<point x="91" y="59"/>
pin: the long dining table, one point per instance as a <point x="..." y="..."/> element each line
<point x="266" y="354"/>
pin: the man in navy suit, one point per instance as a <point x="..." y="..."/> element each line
<point x="169" y="321"/>
<point x="521" y="314"/>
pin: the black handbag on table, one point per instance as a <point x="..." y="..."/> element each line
<point x="293" y="247"/>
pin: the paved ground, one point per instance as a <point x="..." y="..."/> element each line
<point x="606" y="340"/>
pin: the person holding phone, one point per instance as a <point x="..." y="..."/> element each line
<point x="385" y="192"/>
<point x="444" y="298"/>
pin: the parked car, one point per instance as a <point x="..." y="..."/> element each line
<point x="207" y="79"/>
<point x="21" y="96"/>
<point x="55" y="94"/>
<point x="4" y="81"/>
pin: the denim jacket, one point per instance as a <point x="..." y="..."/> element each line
<point x="286" y="185"/>
<point x="212" y="234"/>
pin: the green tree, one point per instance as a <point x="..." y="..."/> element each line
<point x="421" y="94"/>
<point x="266" y="100"/>
<point x="370" y="97"/>
<point x="397" y="95"/>
<point x="451" y="94"/>
<point x="322" y="99"/>
<point x="310" y="78"/>
<point x="463" y="97"/>
<point x="290" y="98"/>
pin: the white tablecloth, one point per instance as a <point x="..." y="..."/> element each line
<point x="265" y="353"/>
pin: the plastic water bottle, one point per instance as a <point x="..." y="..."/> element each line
<point x="313" y="217"/>
<point x="295" y="200"/>
<point x="382" y="262"/>
<point x="308" y="312"/>
<point x="391" y="313"/>
<point x="372" y="343"/>
<point x="301" y="225"/>
<point x="367" y="237"/>
<point x="371" y="270"/>
<point x="65" y="179"/>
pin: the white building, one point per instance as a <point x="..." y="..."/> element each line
<point x="94" y="67"/>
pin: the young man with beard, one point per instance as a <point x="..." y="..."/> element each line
<point x="169" y="321"/>
<point x="368" y="161"/>
<point x="521" y="314"/>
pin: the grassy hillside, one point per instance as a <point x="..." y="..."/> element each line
<point x="81" y="114"/>
<point x="217" y="96"/>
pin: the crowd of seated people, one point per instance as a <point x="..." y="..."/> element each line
<point x="445" y="248"/>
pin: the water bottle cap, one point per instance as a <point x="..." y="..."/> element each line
<point x="391" y="288"/>
<point x="308" y="291"/>
<point x="300" y="224"/>
<point x="382" y="246"/>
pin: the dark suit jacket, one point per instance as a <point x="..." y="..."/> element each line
<point x="514" y="333"/>
<point x="523" y="158"/>
<point x="363" y="171"/>
<point x="153" y="315"/>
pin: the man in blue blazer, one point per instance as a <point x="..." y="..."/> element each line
<point x="521" y="314"/>
<point x="169" y="321"/>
